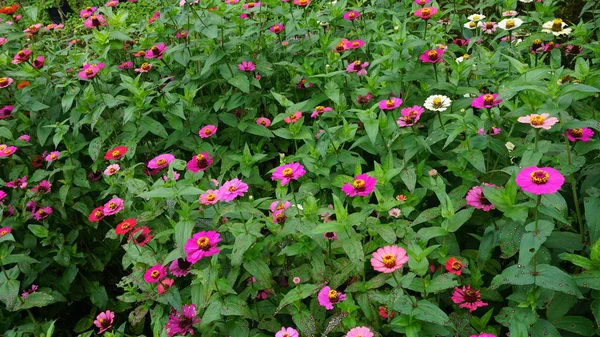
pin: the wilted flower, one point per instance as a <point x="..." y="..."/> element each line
<point x="164" y="285"/>
<point x="6" y="111"/>
<point x="181" y="323"/>
<point x="180" y="267"/>
<point x="21" y="56"/>
<point x="43" y="187"/>
<point x="42" y="213"/>
<point x="140" y="235"/>
<point x="95" y="21"/>
<point x="492" y="131"/>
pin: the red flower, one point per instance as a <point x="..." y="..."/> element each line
<point x="140" y="235"/>
<point x="383" y="312"/>
<point x="23" y="84"/>
<point x="37" y="161"/>
<point x="97" y="214"/>
<point x="9" y="10"/>
<point x="125" y="226"/>
<point x="116" y="153"/>
<point x="454" y="266"/>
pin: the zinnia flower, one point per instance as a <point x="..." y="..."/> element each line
<point x="87" y="12"/>
<point x="207" y="131"/>
<point x="112" y="169"/>
<point x="263" y="121"/>
<point x="467" y="298"/>
<point x="351" y="15"/>
<point x="483" y="334"/>
<point x="164" y="285"/>
<point x="476" y="199"/>
<point x="210" y="197"/>
<point x="246" y="66"/>
<point x="155" y="273"/>
<point x="6" y="111"/>
<point x="358" y="68"/>
<point x="302" y="3"/>
<point x="104" y="321"/>
<point x="125" y="226"/>
<point x="43" y="187"/>
<point x="199" y="162"/>
<point x="94" y="21"/>
<point x="113" y="206"/>
<point x="486" y="101"/>
<point x="97" y="214"/>
<point x="278" y="28"/>
<point x="232" y="189"/>
<point x="116" y="153"/>
<point x="156" y="51"/>
<point x="409" y="116"/>
<point x="5" y="231"/>
<point x="476" y="17"/>
<point x="556" y="27"/>
<point x="144" y="68"/>
<point x="320" y="110"/>
<point x="390" y="104"/>
<point x="180" y="267"/>
<point x="161" y="161"/>
<point x="388" y="259"/>
<point x="9" y="10"/>
<point x="21" y="56"/>
<point x="5" y="82"/>
<point x="286" y="173"/>
<point x="7" y="151"/>
<point x="38" y="63"/>
<point x="293" y="118"/>
<point x="140" y="236"/>
<point x="287" y="332"/>
<point x="251" y="5"/>
<point x="18" y="183"/>
<point x="432" y="56"/>
<point x="454" y="266"/>
<point x="329" y="297"/>
<point x="510" y="24"/>
<point x="437" y="103"/>
<point x="362" y="185"/>
<point x="42" y="213"/>
<point x="202" y="244"/>
<point x="580" y="134"/>
<point x="539" y="121"/>
<point x="426" y="12"/>
<point x="181" y="323"/>
<point x="540" y="180"/>
<point x="488" y="27"/>
<point x="492" y="131"/>
<point x="90" y="70"/>
<point x="360" y="331"/>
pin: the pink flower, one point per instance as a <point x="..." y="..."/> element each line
<point x="488" y="27"/>
<point x="409" y="116"/>
<point x="539" y="121"/>
<point x="113" y="206"/>
<point x="475" y="198"/>
<point x="467" y="298"/>
<point x="486" y="101"/>
<point x="232" y="189"/>
<point x="581" y="134"/>
<point x="395" y="212"/>
<point x="351" y="15"/>
<point x="426" y="12"/>
<point x="251" y="5"/>
<point x="90" y="70"/>
<point x="358" y="68"/>
<point x="422" y="2"/>
<point x="144" y="68"/>
<point x="155" y="273"/>
<point x="6" y="111"/>
<point x="156" y="51"/>
<point x="182" y="34"/>
<point x="87" y="12"/>
<point x="22" y="56"/>
<point x="454" y="266"/>
<point x="207" y="131"/>
<point x="112" y="3"/>
<point x="52" y="156"/>
<point x="510" y="13"/>
<point x="112" y="169"/>
<point x="38" y="63"/>
<point x="302" y="3"/>
<point x="329" y="297"/>
<point x="278" y="206"/>
<point x="176" y="176"/>
<point x="264" y="121"/>
<point x="360" y="331"/>
<point x="210" y="197"/>
<point x="94" y="21"/>
<point x="5" y="231"/>
<point x="165" y="285"/>
<point x="388" y="259"/>
<point x="540" y="180"/>
<point x="42" y="213"/>
<point x="104" y="320"/>
<point x="288" y="172"/>
<point x="199" y="162"/>
<point x="2" y="40"/>
<point x="492" y="132"/>
<point x="180" y="267"/>
<point x="483" y="334"/>
<point x="161" y="161"/>
<point x="278" y="28"/>
<point x="246" y="66"/>
<point x="320" y="110"/>
<point x="390" y="104"/>
<point x="293" y="118"/>
<point x="330" y="235"/>
<point x="2" y="196"/>
<point x="362" y="186"/>
<point x="18" y="183"/>
<point x="126" y="65"/>
<point x="287" y="332"/>
<point x="7" y="151"/>
<point x="354" y="44"/>
<point x="5" y="82"/>
<point x="432" y="56"/>
<point x="181" y="323"/>
<point x="202" y="244"/>
<point x="43" y="187"/>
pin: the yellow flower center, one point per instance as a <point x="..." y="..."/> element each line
<point x="389" y="103"/>
<point x="7" y="151"/>
<point x="333" y="295"/>
<point x="155" y="49"/>
<point x="3" y="232"/>
<point x="356" y="63"/>
<point x="352" y="15"/>
<point x="203" y="243"/>
<point x="287" y="172"/>
<point x="53" y="156"/>
<point x="251" y="5"/>
<point x="472" y="24"/>
<point x="537" y="120"/>
<point x="488" y="99"/>
<point x="116" y="153"/>
<point x="3" y="81"/>
<point x="432" y="55"/>
<point x="21" y="53"/>
<point x="125" y="225"/>
<point x="161" y="162"/>
<point x="89" y="71"/>
<point x="146" y="66"/>
<point x="98" y="213"/>
<point x="557" y="25"/>
<point x="232" y="188"/>
<point x="476" y="17"/>
<point x="437" y="102"/>
<point x="466" y="56"/>
<point x="577" y="132"/>
<point x="359" y="184"/>
<point x="389" y="261"/>
<point x="456" y="265"/>
<point x="207" y="131"/>
<point x="303" y="2"/>
<point x="539" y="177"/>
<point x="155" y="274"/>
<point x="510" y="24"/>
<point x="112" y="205"/>
<point x="211" y="197"/>
<point x="426" y="12"/>
<point x="101" y="320"/>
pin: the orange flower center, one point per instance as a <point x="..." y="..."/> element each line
<point x="456" y="265"/>
<point x="472" y="24"/>
<point x="389" y="103"/>
<point x="125" y="225"/>
<point x="488" y="99"/>
<point x="426" y="12"/>
<point x="41" y="211"/>
<point x="352" y="15"/>
<point x="303" y="2"/>
<point x="539" y="177"/>
<point x="251" y="5"/>
<point x="116" y="153"/>
<point x="277" y="29"/>
<point x="280" y="217"/>
<point x="288" y="172"/>
<point x="333" y="295"/>
<point x="161" y="162"/>
<point x="577" y="132"/>
<point x="3" y="81"/>
<point x="432" y="55"/>
<point x="557" y="25"/>
<point x="146" y="66"/>
<point x="537" y="120"/>
<point x="389" y="261"/>
<point x="7" y="151"/>
<point x="232" y="188"/>
<point x="489" y="25"/>
<point x="112" y="205"/>
<point x="211" y="197"/>
<point x="89" y="71"/>
<point x="359" y="184"/>
<point x="3" y="232"/>
<point x="203" y="243"/>
<point x="98" y="213"/>
<point x="155" y="274"/>
<point x="207" y="131"/>
<point x="356" y="63"/>
<point x="510" y="24"/>
<point x="320" y="108"/>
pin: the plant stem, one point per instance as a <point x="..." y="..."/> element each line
<point x="535" y="229"/>
<point x="440" y="118"/>
<point x="574" y="191"/>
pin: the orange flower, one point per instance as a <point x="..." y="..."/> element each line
<point x="23" y="85"/>
<point x="9" y="10"/>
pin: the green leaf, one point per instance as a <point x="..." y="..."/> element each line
<point x="441" y="283"/>
<point x="167" y="193"/>
<point x="37" y="300"/>
<point x="576" y="324"/>
<point x="94" y="148"/>
<point x="235" y="306"/>
<point x="453" y="223"/>
<point x="354" y="249"/>
<point x="409" y="177"/>
<point x="533" y="240"/>
<point x="241" y="245"/>
<point x="241" y="82"/>
<point x="154" y="127"/>
<point x="5" y="133"/>
<point x="183" y="232"/>
<point x="9" y="291"/>
<point x="213" y="312"/>
<point x="516" y="275"/>
<point x="429" y="312"/>
<point x="475" y="158"/>
<point x="550" y="277"/>
<point x="260" y="270"/>
<point x="38" y="230"/>
<point x="300" y="292"/>
<point x="213" y="58"/>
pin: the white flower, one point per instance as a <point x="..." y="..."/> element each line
<point x="463" y="58"/>
<point x="437" y="103"/>
<point x="476" y="17"/>
<point x="112" y="169"/>
<point x="510" y="24"/>
<point x="556" y="27"/>
<point x="509" y="146"/>
<point x="526" y="1"/>
<point x="395" y="212"/>
<point x="470" y="25"/>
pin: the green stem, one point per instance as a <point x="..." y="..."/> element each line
<point x="537" y="131"/>
<point x="440" y="118"/>
<point x="574" y="191"/>
<point x="535" y="229"/>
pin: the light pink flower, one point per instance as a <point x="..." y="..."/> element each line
<point x="5" y="82"/>
<point x="144" y="68"/>
<point x="210" y="197"/>
<point x="232" y="189"/>
<point x="112" y="169"/>
<point x="286" y="173"/>
<point x="207" y="131"/>
<point x="539" y="121"/>
<point x="113" y="206"/>
<point x="52" y="156"/>
<point x="360" y="331"/>
<point x="161" y="161"/>
<point x="287" y="332"/>
<point x="395" y="212"/>
<point x="264" y="121"/>
<point x="388" y="259"/>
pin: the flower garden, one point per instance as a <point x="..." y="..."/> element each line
<point x="299" y="168"/>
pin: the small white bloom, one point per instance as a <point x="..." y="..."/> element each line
<point x="395" y="212"/>
<point x="470" y="25"/>
<point x="437" y="103"/>
<point x="300" y="207"/>
<point x="476" y="17"/>
<point x="509" y="146"/>
<point x="463" y="58"/>
<point x="526" y="1"/>
<point x="510" y="24"/>
<point x="556" y="27"/>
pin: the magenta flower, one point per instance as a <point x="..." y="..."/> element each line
<point x="329" y="297"/>
<point x="43" y="187"/>
<point x="5" y="231"/>
<point x="112" y="3"/>
<point x="388" y="259"/>
<point x="320" y="110"/>
<point x="492" y="132"/>
<point x="467" y="298"/>
<point x="38" y="63"/>
<point x="264" y="121"/>
<point x="476" y="198"/>
<point x="87" y="12"/>
<point x="126" y="65"/>
<point x="540" y="180"/>
<point x="181" y="323"/>
<point x="483" y="334"/>
<point x="42" y="213"/>
<point x="426" y="12"/>
<point x="207" y="131"/>
<point x="52" y="156"/>
<point x="5" y="82"/>
<point x="362" y="186"/>
<point x="279" y="206"/>
<point x="156" y="51"/>
<point x="199" y="162"/>
<point x="580" y="134"/>
<point x="201" y="245"/>
<point x="3" y="195"/>
<point x="90" y="70"/>
<point x="390" y="104"/>
<point x="161" y="161"/>
<point x="486" y="101"/>
<point x="232" y="189"/>
<point x="358" y="68"/>
<point x="302" y="3"/>
<point x="409" y="116"/>
<point x="155" y="273"/>
<point x="251" y="5"/>
<point x="246" y="66"/>
<point x="24" y="138"/>
<point x="6" y="111"/>
<point x="432" y="56"/>
<point x="539" y="121"/>
<point x="422" y="2"/>
<point x="95" y="21"/>
<point x="7" y="151"/>
<point x="288" y="172"/>
<point x="18" y="183"/>
<point x="180" y="267"/>
<point x="278" y="28"/>
<point x="360" y="331"/>
<point x="210" y="197"/>
<point x="113" y="206"/>
<point x="21" y="56"/>
<point x="354" y="44"/>
<point x="351" y="15"/>
<point x="104" y="321"/>
<point x="287" y="332"/>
